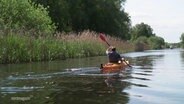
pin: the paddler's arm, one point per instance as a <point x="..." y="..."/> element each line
<point x="108" y="50"/>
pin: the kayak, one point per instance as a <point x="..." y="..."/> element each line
<point x="113" y="67"/>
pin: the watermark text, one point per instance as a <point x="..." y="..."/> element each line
<point x="21" y="98"/>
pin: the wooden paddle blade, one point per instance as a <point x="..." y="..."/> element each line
<point x="102" y="37"/>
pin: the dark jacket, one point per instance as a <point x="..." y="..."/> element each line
<point x="114" y="57"/>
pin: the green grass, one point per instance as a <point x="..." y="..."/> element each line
<point x="16" y="48"/>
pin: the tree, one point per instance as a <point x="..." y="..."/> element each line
<point x="141" y="29"/>
<point x="24" y="15"/>
<point x="156" y="42"/>
<point x="182" y="40"/>
<point x="107" y="16"/>
<point x="141" y="43"/>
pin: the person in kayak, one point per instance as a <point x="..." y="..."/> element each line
<point x="113" y="56"/>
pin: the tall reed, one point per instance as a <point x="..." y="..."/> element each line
<point x="16" y="48"/>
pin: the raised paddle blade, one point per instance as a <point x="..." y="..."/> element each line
<point x="102" y="37"/>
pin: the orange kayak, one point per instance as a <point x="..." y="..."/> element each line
<point x="113" y="67"/>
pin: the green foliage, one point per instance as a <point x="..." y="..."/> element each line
<point x="105" y="16"/>
<point x="144" y="38"/>
<point x="24" y="15"/>
<point x="156" y="42"/>
<point x="182" y="40"/>
<point x="141" y="30"/>
<point x="172" y="45"/>
<point x="16" y="48"/>
<point x="141" y="43"/>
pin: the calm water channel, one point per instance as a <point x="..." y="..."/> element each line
<point x="156" y="78"/>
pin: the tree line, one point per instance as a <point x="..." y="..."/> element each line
<point x="107" y="16"/>
<point x="182" y="40"/>
<point x="43" y="17"/>
<point x="29" y="29"/>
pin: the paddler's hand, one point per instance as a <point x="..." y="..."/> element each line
<point x="110" y="48"/>
<point x="123" y="59"/>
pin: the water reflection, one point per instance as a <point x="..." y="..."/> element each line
<point x="86" y="84"/>
<point x="90" y="90"/>
<point x="155" y="78"/>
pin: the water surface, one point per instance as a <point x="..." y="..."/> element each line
<point x="156" y="78"/>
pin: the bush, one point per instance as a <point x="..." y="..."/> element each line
<point x="156" y="42"/>
<point x="24" y="15"/>
<point x="141" y="43"/>
<point x="182" y="40"/>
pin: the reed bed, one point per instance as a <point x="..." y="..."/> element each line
<point x="16" y="48"/>
<point x="122" y="46"/>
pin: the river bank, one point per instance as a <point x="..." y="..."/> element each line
<point x="17" y="48"/>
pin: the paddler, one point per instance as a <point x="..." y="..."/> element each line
<point x="113" y="55"/>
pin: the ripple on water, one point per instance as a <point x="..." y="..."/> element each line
<point x="151" y="95"/>
<point x="18" y="89"/>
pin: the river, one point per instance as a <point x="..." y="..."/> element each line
<point x="155" y="78"/>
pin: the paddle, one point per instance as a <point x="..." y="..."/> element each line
<point x="102" y="37"/>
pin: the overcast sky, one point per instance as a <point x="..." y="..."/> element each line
<point x="166" y="17"/>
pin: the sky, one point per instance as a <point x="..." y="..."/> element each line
<point x="166" y="17"/>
